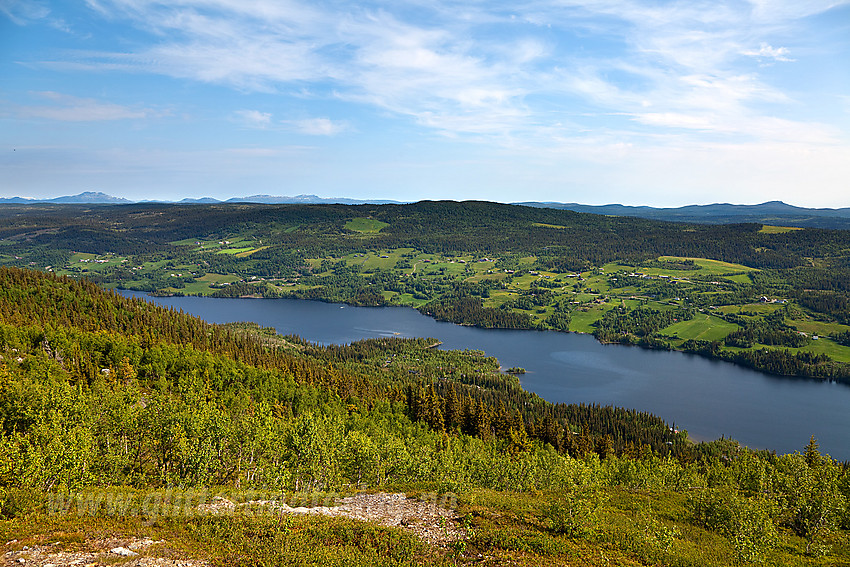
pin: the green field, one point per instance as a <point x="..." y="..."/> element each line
<point x="249" y="252"/>
<point x="86" y="262"/>
<point x="193" y="288"/>
<point x="711" y="266"/>
<point x="825" y="346"/>
<point x="751" y="308"/>
<point x="365" y="225"/>
<point x="544" y="225"/>
<point x="832" y="349"/>
<point x="769" y="229"/>
<point x="703" y="327"/>
<point x="377" y="259"/>
<point x="582" y="321"/>
<point x="79" y="256"/>
<point x="218" y="278"/>
<point x="821" y="328"/>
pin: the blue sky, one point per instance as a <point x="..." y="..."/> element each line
<point x="654" y="102"/>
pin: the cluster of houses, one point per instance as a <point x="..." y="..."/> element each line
<point x="95" y="260"/>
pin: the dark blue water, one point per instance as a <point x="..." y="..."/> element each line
<point x="707" y="398"/>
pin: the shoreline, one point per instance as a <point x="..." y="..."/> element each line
<point x="834" y="379"/>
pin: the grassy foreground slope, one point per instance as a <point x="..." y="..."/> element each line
<point x="776" y="300"/>
<point x="118" y="419"/>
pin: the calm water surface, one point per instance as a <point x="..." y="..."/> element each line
<point x="708" y="398"/>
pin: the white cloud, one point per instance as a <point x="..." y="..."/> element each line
<point x="676" y="120"/>
<point x="531" y="74"/>
<point x="751" y="127"/>
<point x="311" y="126"/>
<point x="451" y="73"/>
<point x="22" y="12"/>
<point x="253" y="118"/>
<point x="766" y="51"/>
<point x="318" y="126"/>
<point x="772" y="11"/>
<point x="69" y="108"/>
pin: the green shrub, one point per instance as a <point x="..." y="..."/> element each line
<point x="577" y="513"/>
<point x="17" y="502"/>
<point x="747" y="523"/>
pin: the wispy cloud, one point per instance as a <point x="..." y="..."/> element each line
<point x="21" y="12"/>
<point x="452" y="70"/>
<point x="317" y="126"/>
<point x="264" y="152"/>
<point x="497" y="70"/>
<point x="67" y="108"/>
<point x="772" y="11"/>
<point x="256" y="119"/>
<point x="766" y="51"/>
<point x="253" y="118"/>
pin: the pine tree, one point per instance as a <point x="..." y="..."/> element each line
<point x="482" y="421"/>
<point x="453" y="411"/>
<point x="584" y="442"/>
<point x="605" y="446"/>
<point x="812" y="454"/>
<point x="434" y="411"/>
<point x="517" y="436"/>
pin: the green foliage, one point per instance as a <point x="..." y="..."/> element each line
<point x="685" y="265"/>
<point x="267" y="540"/>
<point x="618" y="325"/>
<point x="811" y="501"/>
<point x="471" y="311"/>
<point x="649" y="538"/>
<point x="20" y="502"/>
<point x="577" y="513"/>
<point x="747" y="523"/>
<point x="842" y="338"/>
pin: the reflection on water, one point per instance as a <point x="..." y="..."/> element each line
<point x="709" y="398"/>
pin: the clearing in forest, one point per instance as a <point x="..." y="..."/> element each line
<point x="365" y="225"/>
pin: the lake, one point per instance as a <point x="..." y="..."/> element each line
<point x="708" y="398"/>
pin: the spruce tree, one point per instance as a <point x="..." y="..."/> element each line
<point x="812" y="454"/>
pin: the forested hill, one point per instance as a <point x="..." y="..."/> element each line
<point x="58" y="335"/>
<point x="773" y="213"/>
<point x="433" y="226"/>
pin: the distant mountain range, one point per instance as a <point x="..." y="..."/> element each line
<point x="99" y="198"/>
<point x="305" y="199"/>
<point x="87" y="198"/>
<point x="772" y="212"/>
